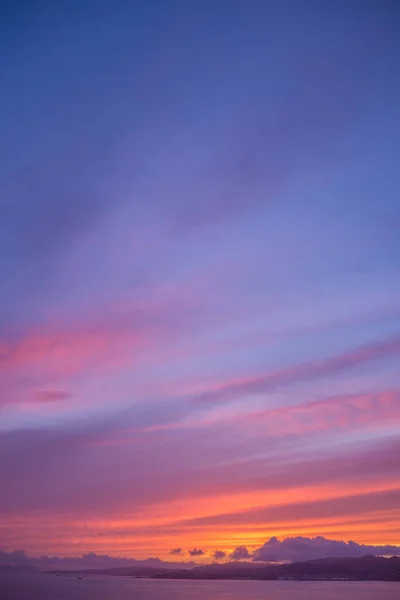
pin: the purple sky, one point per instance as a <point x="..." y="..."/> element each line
<point x="199" y="271"/>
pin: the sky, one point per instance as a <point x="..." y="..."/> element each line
<point x="199" y="274"/>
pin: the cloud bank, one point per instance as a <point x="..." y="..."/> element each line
<point x="290" y="549"/>
<point x="302" y="548"/>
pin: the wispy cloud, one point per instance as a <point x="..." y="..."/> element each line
<point x="381" y="349"/>
<point x="67" y="350"/>
<point x="333" y="414"/>
<point x="327" y="510"/>
<point x="51" y="396"/>
<point x="200" y="286"/>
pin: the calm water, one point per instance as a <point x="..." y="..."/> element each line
<point x="49" y="587"/>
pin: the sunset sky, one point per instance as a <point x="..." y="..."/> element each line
<point x="199" y="275"/>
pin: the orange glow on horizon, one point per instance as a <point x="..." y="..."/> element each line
<point x="148" y="534"/>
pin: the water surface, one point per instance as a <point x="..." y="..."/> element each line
<point x="50" y="587"/>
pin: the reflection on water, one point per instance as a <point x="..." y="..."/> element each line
<point x="50" y="587"/>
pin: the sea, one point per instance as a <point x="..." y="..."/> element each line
<point x="51" y="587"/>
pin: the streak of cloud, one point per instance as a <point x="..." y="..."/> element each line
<point x="380" y="349"/>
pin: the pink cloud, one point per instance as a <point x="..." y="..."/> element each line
<point x="330" y="415"/>
<point x="51" y="396"/>
<point x="38" y="368"/>
<point x="333" y="414"/>
<point x="66" y="350"/>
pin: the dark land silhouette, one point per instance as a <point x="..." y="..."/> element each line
<point x="366" y="568"/>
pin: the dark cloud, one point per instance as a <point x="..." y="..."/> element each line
<point x="240" y="553"/>
<point x="219" y="554"/>
<point x="380" y="349"/>
<point x="176" y="551"/>
<point x="197" y="552"/>
<point x="302" y="548"/>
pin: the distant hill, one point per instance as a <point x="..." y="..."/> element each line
<point x="4" y="569"/>
<point x="138" y="568"/>
<point x="136" y="571"/>
<point x="370" y="568"/>
<point x="363" y="568"/>
<point x="89" y="561"/>
<point x="366" y="568"/>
